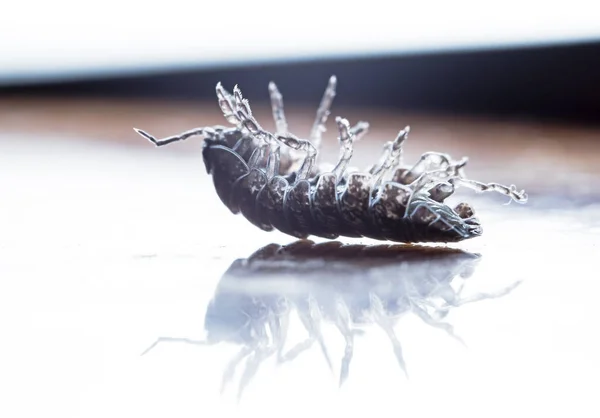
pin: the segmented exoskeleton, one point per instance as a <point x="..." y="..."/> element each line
<point x="274" y="181"/>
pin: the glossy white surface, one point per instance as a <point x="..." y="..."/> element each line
<point x="105" y="249"/>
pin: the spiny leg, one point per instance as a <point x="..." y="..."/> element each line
<point x="252" y="364"/>
<point x="385" y="322"/>
<point x="311" y="318"/>
<point x="392" y="157"/>
<point x="297" y="350"/>
<point x="174" y="339"/>
<point x="441" y="191"/>
<point x="483" y="296"/>
<point x="237" y="111"/>
<point x="232" y="365"/>
<point x="304" y="313"/>
<point x="359" y="130"/>
<point x="318" y="128"/>
<point x="392" y="154"/>
<point x="245" y="117"/>
<point x="247" y="121"/>
<point x="227" y="105"/>
<point x="301" y="145"/>
<point x="316" y="317"/>
<point x="348" y="354"/>
<point x="447" y="294"/>
<point x="279" y="325"/>
<point x="277" y="108"/>
<point x="451" y="298"/>
<point x="345" y="139"/>
<point x="429" y="320"/>
<point x="510" y="191"/>
<point x="181" y="137"/>
<point x="207" y="131"/>
<point x="427" y="162"/>
<point x="440" y="175"/>
<point x="262" y="350"/>
<point x="453" y="174"/>
<point x="385" y="155"/>
<point x="343" y="322"/>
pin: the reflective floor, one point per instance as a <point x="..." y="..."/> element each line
<point x="107" y="248"/>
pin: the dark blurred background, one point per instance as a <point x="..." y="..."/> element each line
<point x="551" y="82"/>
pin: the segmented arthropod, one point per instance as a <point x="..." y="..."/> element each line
<point x="274" y="181"/>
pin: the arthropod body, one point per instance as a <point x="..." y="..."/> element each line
<point x="273" y="180"/>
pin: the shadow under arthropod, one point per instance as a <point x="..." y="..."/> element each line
<point x="350" y="286"/>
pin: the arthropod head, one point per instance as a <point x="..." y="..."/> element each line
<point x="428" y="212"/>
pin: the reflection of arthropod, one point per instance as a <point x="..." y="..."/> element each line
<point x="273" y="181"/>
<point x="365" y="286"/>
